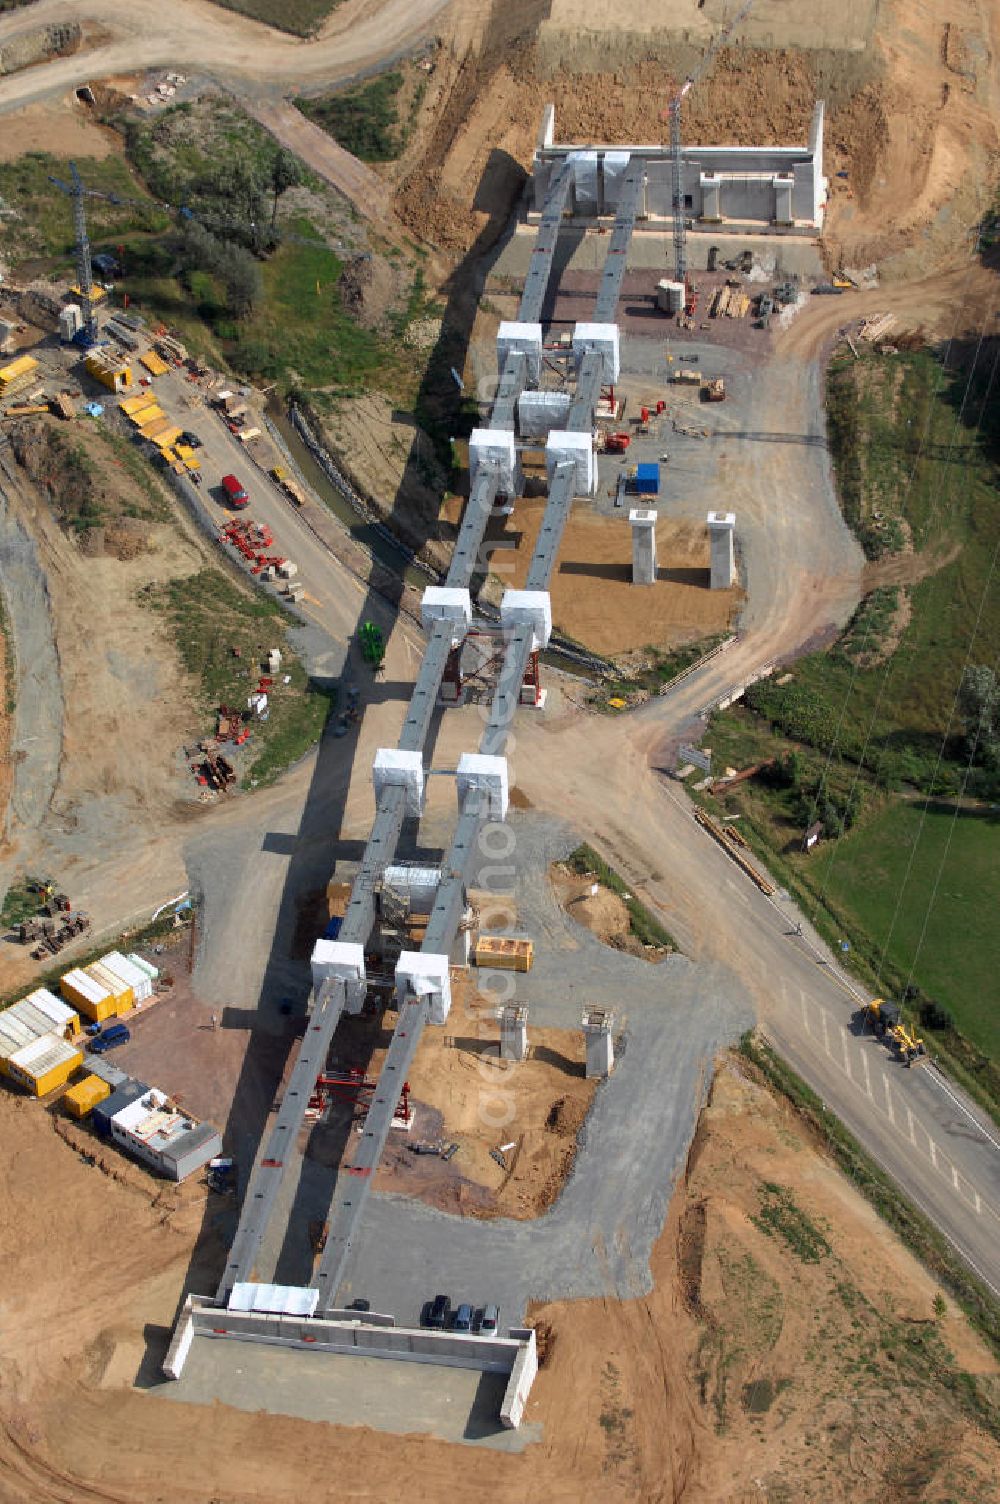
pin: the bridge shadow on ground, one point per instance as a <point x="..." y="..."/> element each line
<point x="316" y="852"/>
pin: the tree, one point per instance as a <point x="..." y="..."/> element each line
<point x="979" y="707"/>
<point x="285" y="173"/>
<point x="244" y="285"/>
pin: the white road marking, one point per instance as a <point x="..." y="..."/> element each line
<point x="932" y="1074"/>
<point x="867" y="1076"/>
<point x="909" y="1122"/>
<point x="932" y="1146"/>
<point x="847" y="1062"/>
<point x="888" y="1100"/>
<point x="826" y="1035"/>
<point x="954" y="1178"/>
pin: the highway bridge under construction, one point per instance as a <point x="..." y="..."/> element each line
<point x="310" y="1315"/>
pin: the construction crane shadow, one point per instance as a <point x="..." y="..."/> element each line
<point x="284" y="989"/>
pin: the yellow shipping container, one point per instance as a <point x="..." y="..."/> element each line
<point x="109" y="372"/>
<point x="85" y="1095"/>
<point x="154" y="365"/>
<point x="154" y="427"/>
<point x="504" y="954"/>
<point x="146" y="414"/>
<point x="44" y="1064"/>
<point x="23" y="366"/>
<point x="93" y="999"/>
<point x="119" y="990"/>
<point x="169" y="436"/>
<point x="135" y="404"/>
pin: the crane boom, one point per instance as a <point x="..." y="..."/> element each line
<point x="676" y="157"/>
<point x="76" y="192"/>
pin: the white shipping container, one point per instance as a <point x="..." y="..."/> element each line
<point x="147" y="966"/>
<point x="132" y="976"/>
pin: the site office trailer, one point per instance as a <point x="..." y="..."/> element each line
<point x="44" y="1064"/>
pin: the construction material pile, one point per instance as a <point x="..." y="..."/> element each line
<point x="730" y="302"/>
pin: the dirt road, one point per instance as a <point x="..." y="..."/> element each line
<point x="197" y="35"/>
<point x="329" y="161"/>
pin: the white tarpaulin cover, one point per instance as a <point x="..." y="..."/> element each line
<point x="277" y="1300"/>
<point x="539" y="412"/>
<point x="615" y="167"/>
<point x="585" y="180"/>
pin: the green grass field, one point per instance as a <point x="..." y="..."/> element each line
<point x="300" y="17"/>
<point x="921" y="462"/>
<point x="930" y="883"/>
<point x="867" y="739"/>
<point x="43" y="225"/>
<point x="364" y="120"/>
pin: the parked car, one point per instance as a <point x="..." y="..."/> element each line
<point x="235" y="492"/>
<point x="490" y="1320"/>
<point x="110" y="1039"/>
<point x="438" y="1313"/>
<point x="463" y="1318"/>
<point x="191" y="439"/>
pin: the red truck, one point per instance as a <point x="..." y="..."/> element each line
<point x="235" y="493"/>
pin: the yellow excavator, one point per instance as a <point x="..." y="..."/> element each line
<point x="886" y="1022"/>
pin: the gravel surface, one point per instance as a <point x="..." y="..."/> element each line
<point x="37" y="735"/>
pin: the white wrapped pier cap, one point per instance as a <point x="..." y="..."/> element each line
<point x="446" y="603"/>
<point x="477" y="770"/>
<point x="566" y="446"/>
<point x="532" y="607"/>
<point x="494" y="446"/>
<point x="405" y="770"/>
<point x="601" y="337"/>
<point x="425" y="975"/>
<point x="337" y="958"/>
<point x="513" y="335"/>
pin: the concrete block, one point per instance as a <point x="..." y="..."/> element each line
<point x="476" y="770"/>
<point x="426" y="975"/>
<point x="597" y="1026"/>
<point x="602" y="337"/>
<point x="528" y="608"/>
<point x="395" y="769"/>
<point x="495" y="447"/>
<point x="721" y="527"/>
<point x="443" y="603"/>
<point x="566" y="447"/>
<point x="337" y="958"/>
<point x="584" y="167"/>
<point x="614" y="166"/>
<point x="513" y="335"/>
<point x="643" y="523"/>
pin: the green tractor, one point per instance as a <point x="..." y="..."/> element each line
<point x="372" y="646"/>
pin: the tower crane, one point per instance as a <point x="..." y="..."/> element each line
<point x="75" y="191"/>
<point x="674" y="112"/>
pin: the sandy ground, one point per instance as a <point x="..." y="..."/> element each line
<point x="63" y="127"/>
<point x="748" y="1372"/>
<point x="602" y="912"/>
<point x="392" y="462"/>
<point x="463" y="1093"/>
<point x="593" y="598"/>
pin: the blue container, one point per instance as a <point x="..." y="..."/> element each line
<point x="332" y="930"/>
<point x="100" y="1118"/>
<point x="647" y="480"/>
